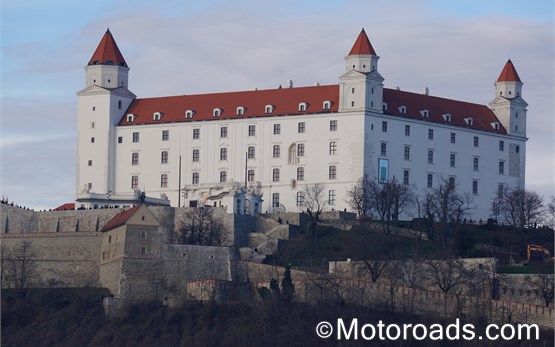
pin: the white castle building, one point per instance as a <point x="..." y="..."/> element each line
<point x="232" y="148"/>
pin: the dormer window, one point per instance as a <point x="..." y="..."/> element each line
<point x="469" y="121"/>
<point x="326" y="105"/>
<point x="402" y="109"/>
<point x="217" y="112"/>
<point x="157" y="115"/>
<point x="425" y="113"/>
<point x="384" y="106"/>
<point x="302" y="106"/>
<point x="447" y="117"/>
<point x="495" y="125"/>
<point x="131" y="117"/>
<point x="269" y="109"/>
<point x="240" y="110"/>
<point x="189" y="114"/>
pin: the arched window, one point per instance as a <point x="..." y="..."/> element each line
<point x="157" y="115"/>
<point x="293" y="154"/>
<point x="326" y="105"/>
<point x="269" y="109"/>
<point x="130" y="117"/>
<point x="303" y="106"/>
<point x="189" y="114"/>
<point x="217" y="112"/>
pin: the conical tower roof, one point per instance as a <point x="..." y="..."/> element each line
<point x="509" y="73"/>
<point x="362" y="45"/>
<point x="107" y="52"/>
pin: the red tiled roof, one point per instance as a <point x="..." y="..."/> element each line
<point x="481" y="115"/>
<point x="107" y="52"/>
<point x="66" y="206"/>
<point x="120" y="218"/>
<point x="362" y="45"/>
<point x="286" y="102"/>
<point x="509" y="73"/>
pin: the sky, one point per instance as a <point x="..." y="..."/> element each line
<point x="456" y="49"/>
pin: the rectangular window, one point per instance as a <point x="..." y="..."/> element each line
<point x="384" y="126"/>
<point x="142" y="250"/>
<point x="164" y="157"/>
<point x="407" y="130"/>
<point x="430" y="134"/>
<point x="300" y="150"/>
<point x="476" y="141"/>
<point x="301" y="127"/>
<point x="196" y="134"/>
<point x="501" y="146"/>
<point x="165" y="135"/>
<point x="331" y="197"/>
<point x="195" y="179"/>
<point x="251" y="152"/>
<point x="430" y="157"/>
<point x="223" y="176"/>
<point x="475" y="164"/>
<point x="90" y="163"/>
<point x="143" y="234"/>
<point x="250" y="175"/>
<point x="452" y="159"/>
<point x="475" y="187"/>
<point x="275" y="175"/>
<point x="430" y="181"/>
<point x="277" y="129"/>
<point x="134" y="158"/>
<point x="276" y="151"/>
<point x="120" y="139"/>
<point x="164" y="180"/>
<point x="452" y="182"/>
<point x="275" y="200"/>
<point x="333" y="125"/>
<point x="501" y="167"/>
<point x="135" y="137"/>
<point x="223" y="153"/>
<point x="300" y="174"/>
<point x="453" y="137"/>
<point x="383" y="149"/>
<point x="407" y="153"/>
<point x="406" y="177"/>
<point x="223" y="132"/>
<point x="300" y="198"/>
<point x="252" y="130"/>
<point x="517" y="149"/>
<point x="196" y="155"/>
<point x="332" y="172"/>
<point x="92" y="139"/>
<point x="92" y="125"/>
<point x="134" y="182"/>
<point x="383" y="170"/>
<point x="333" y="148"/>
<point x="500" y="190"/>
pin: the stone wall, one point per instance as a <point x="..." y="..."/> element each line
<point x="72" y="258"/>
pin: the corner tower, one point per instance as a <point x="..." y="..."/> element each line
<point x="361" y="86"/>
<point x="101" y="105"/>
<point x="508" y="105"/>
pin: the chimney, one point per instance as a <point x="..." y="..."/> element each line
<point x="426" y="91"/>
<point x="397" y="88"/>
<point x="289" y="84"/>
<point x="316" y="84"/>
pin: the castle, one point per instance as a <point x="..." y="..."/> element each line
<point x="256" y="150"/>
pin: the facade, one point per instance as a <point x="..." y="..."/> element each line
<point x="256" y="150"/>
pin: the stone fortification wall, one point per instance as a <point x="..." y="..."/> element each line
<point x="16" y="220"/>
<point x="72" y="259"/>
<point x="311" y="287"/>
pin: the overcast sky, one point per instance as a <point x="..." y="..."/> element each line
<point x="457" y="49"/>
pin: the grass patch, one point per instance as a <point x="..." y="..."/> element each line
<point x="546" y="268"/>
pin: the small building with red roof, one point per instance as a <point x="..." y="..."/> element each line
<point x="258" y="150"/>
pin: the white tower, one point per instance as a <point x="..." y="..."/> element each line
<point x="361" y="87"/>
<point x="101" y="105"/>
<point x="508" y="105"/>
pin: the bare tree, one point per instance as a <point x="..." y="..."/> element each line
<point x="446" y="274"/>
<point x="360" y="200"/>
<point x="492" y="279"/>
<point x="201" y="227"/>
<point x="375" y="267"/>
<point x="19" y="265"/>
<point x="543" y="283"/>
<point x="314" y="203"/>
<point x="550" y="212"/>
<point x="520" y="208"/>
<point x="449" y="206"/>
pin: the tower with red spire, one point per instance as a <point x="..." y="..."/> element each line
<point x="100" y="107"/>
<point x="361" y="86"/>
<point x="508" y="105"/>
